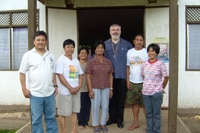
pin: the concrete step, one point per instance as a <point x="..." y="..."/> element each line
<point x="14" y="116"/>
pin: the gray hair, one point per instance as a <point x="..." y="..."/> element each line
<point x="115" y="25"/>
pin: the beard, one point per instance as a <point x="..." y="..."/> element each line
<point x="115" y="36"/>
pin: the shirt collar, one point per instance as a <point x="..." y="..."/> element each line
<point x="46" y="51"/>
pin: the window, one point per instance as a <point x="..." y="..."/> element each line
<point x="20" y="45"/>
<point x="193" y="38"/>
<point x="13" y="38"/>
<point x="4" y="48"/>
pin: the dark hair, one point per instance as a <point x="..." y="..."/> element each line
<point x="83" y="48"/>
<point x="138" y="35"/>
<point x="155" y="48"/>
<point x="97" y="43"/>
<point x="40" y="33"/>
<point x="68" y="42"/>
<point x="135" y="38"/>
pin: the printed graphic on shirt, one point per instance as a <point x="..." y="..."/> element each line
<point x="136" y="60"/>
<point x="73" y="73"/>
<point x="153" y="73"/>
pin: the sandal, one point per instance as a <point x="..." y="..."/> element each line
<point x="104" y="129"/>
<point x="96" y="130"/>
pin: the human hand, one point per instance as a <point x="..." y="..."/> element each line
<point x="55" y="91"/>
<point x="91" y="94"/>
<point x="129" y="85"/>
<point x="71" y="90"/>
<point x="77" y="89"/>
<point x="111" y="93"/>
<point x="26" y="93"/>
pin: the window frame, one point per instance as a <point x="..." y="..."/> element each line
<point x="187" y="24"/>
<point x="11" y="26"/>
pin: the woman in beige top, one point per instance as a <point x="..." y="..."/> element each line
<point x="84" y="115"/>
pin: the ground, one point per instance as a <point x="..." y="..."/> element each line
<point x="189" y="118"/>
<point x="16" y="117"/>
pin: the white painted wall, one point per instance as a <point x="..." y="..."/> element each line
<point x="62" y="25"/>
<point x="10" y="90"/>
<point x="189" y="85"/>
<point x="157" y="25"/>
<point x="13" y="4"/>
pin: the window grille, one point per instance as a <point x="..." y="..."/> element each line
<point x="193" y="14"/>
<point x="20" y="18"/>
<point x="5" y="18"/>
<point x="16" y="18"/>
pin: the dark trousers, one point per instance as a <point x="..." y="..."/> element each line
<point x="84" y="115"/>
<point x="117" y="102"/>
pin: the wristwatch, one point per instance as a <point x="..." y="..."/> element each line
<point x="55" y="86"/>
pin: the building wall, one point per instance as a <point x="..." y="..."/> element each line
<point x="10" y="86"/>
<point x="189" y="86"/>
<point x="151" y="13"/>
<point x="13" y="4"/>
<point x="156" y="25"/>
<point x="157" y="31"/>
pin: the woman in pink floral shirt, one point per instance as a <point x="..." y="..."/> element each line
<point x="155" y="79"/>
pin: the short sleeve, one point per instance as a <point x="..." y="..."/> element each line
<point x="142" y="69"/>
<point x="127" y="60"/>
<point x="164" y="70"/>
<point x="88" y="69"/>
<point x="24" y="64"/>
<point x="79" y="65"/>
<point x="59" y="66"/>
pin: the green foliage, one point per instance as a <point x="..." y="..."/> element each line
<point x="7" y="131"/>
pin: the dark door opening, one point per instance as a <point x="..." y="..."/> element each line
<point x="94" y="23"/>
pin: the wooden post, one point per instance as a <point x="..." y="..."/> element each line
<point x="173" y="67"/>
<point x="32" y="10"/>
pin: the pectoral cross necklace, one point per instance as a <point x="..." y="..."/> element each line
<point x="115" y="49"/>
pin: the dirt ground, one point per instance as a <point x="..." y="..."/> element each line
<point x="188" y="116"/>
<point x="192" y="123"/>
<point x="16" y="117"/>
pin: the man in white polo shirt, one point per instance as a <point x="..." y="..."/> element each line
<point x="38" y="66"/>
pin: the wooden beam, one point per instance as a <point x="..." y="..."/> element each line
<point x="69" y="3"/>
<point x="152" y="1"/>
<point x="32" y="10"/>
<point x="42" y="1"/>
<point x="173" y="67"/>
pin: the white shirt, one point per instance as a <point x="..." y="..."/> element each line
<point x="39" y="70"/>
<point x="71" y="70"/>
<point x="135" y="58"/>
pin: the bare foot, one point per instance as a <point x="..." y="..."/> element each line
<point x="81" y="127"/>
<point x="133" y="126"/>
<point x="87" y="127"/>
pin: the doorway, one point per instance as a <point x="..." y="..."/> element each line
<point x="94" y="23"/>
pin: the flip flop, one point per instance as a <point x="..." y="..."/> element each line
<point x="96" y="130"/>
<point x="132" y="127"/>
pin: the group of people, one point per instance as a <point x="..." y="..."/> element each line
<point x="118" y="73"/>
